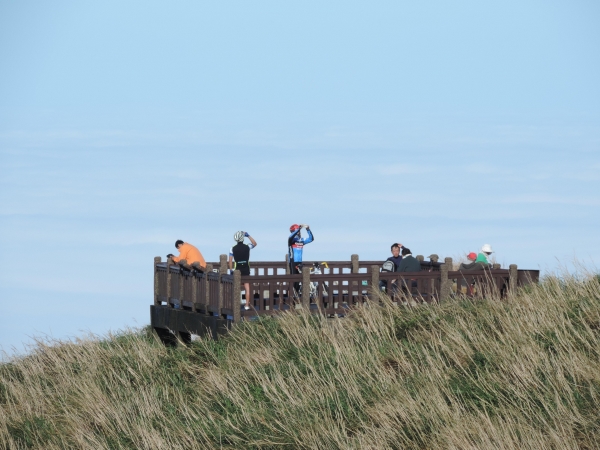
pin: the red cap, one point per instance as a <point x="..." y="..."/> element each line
<point x="472" y="256"/>
<point x="294" y="227"/>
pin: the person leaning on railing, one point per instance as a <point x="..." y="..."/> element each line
<point x="473" y="265"/>
<point x="395" y="261"/>
<point x="484" y="255"/>
<point x="408" y="264"/>
<point x="188" y="255"/>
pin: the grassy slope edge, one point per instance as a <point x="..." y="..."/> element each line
<point x="522" y="373"/>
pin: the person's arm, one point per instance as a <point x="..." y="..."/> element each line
<point x="310" y="237"/>
<point x="178" y="258"/>
<point x="292" y="236"/>
<point x="251" y="239"/>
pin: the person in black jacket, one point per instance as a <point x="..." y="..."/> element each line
<point x="395" y="259"/>
<point x="409" y="263"/>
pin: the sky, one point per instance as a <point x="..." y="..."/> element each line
<point x="125" y="126"/>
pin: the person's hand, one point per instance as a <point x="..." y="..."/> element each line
<point x="306" y="226"/>
<point x="246" y="234"/>
<point x="170" y="255"/>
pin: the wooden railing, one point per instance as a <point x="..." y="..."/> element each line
<point x="344" y="285"/>
<point x="355" y="265"/>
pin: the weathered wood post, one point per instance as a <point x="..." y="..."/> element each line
<point x="209" y="269"/>
<point x="420" y="258"/>
<point x="445" y="286"/>
<point x="157" y="260"/>
<point x="237" y="295"/>
<point x="169" y="281"/>
<point x="181" y="280"/>
<point x="354" y="262"/>
<point x="194" y="292"/>
<point x="354" y="269"/>
<point x="496" y="266"/>
<point x="306" y="288"/>
<point x="222" y="271"/>
<point x="221" y="293"/>
<point x="223" y="264"/>
<point x="287" y="264"/>
<point x="375" y="280"/>
<point x="513" y="275"/>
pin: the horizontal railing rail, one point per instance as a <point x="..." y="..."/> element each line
<point x="355" y="265"/>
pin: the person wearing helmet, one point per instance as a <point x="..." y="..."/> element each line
<point x="239" y="254"/>
<point x="296" y="244"/>
<point x="239" y="259"/>
<point x="484" y="255"/>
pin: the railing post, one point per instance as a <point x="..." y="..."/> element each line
<point x="237" y="292"/>
<point x="375" y="279"/>
<point x="181" y="280"/>
<point x="157" y="260"/>
<point x="306" y="288"/>
<point x="496" y="266"/>
<point x="513" y="275"/>
<point x="354" y="269"/>
<point x="209" y="269"/>
<point x="287" y="264"/>
<point x="194" y="292"/>
<point x="355" y="265"/>
<point x="169" y="281"/>
<point x="445" y="286"/>
<point x="221" y="293"/>
<point x="223" y="264"/>
<point x="421" y="258"/>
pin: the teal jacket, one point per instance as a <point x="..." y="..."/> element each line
<point x="481" y="258"/>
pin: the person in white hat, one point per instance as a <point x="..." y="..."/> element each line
<point x="486" y="252"/>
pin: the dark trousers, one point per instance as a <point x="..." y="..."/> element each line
<point x="294" y="270"/>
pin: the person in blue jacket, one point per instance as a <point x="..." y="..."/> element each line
<point x="295" y="245"/>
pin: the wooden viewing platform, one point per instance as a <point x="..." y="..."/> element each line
<point x="189" y="302"/>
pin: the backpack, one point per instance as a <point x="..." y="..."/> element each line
<point x="388" y="266"/>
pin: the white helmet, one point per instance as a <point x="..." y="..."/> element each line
<point x="487" y="248"/>
<point x="239" y="236"/>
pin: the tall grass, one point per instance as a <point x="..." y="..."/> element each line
<point x="518" y="373"/>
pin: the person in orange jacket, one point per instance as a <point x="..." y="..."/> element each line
<point x="188" y="253"/>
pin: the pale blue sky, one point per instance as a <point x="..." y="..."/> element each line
<point x="124" y="127"/>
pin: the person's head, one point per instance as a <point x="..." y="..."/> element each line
<point x="294" y="227"/>
<point x="472" y="256"/>
<point x="178" y="242"/>
<point x="238" y="236"/>
<point x="487" y="249"/>
<point x="405" y="251"/>
<point x="395" y="250"/>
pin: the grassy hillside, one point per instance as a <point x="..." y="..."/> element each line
<point x="522" y="373"/>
